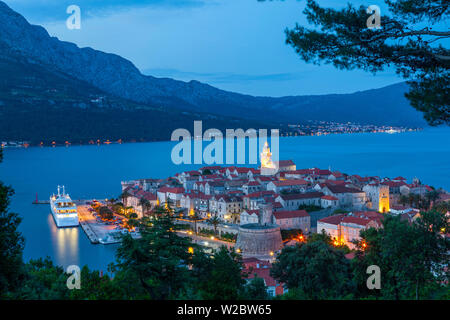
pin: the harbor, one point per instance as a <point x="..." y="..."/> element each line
<point x="97" y="230"/>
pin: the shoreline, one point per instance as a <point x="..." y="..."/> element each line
<point x="106" y="143"/>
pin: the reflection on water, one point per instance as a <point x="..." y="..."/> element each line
<point x="65" y="243"/>
<point x="40" y="170"/>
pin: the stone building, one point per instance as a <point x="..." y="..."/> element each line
<point x="377" y="196"/>
<point x="260" y="240"/>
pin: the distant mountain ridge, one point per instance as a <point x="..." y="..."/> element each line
<point x="119" y="77"/>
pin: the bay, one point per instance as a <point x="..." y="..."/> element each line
<point x="96" y="171"/>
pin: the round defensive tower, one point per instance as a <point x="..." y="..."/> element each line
<point x="260" y="240"/>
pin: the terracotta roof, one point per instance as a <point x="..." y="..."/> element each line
<point x="150" y="196"/>
<point x="337" y="174"/>
<point x="267" y="178"/>
<point x="350" y="255"/>
<point x="250" y="212"/>
<point x="260" y="194"/>
<point x="335" y="183"/>
<point x="356" y="220"/>
<point x="290" y="214"/>
<point x="198" y="195"/>
<point x="300" y="171"/>
<point x="263" y="273"/>
<point x="276" y="204"/>
<point x="394" y="183"/>
<point x="307" y="195"/>
<point x="368" y="214"/>
<point x="320" y="172"/>
<point x="171" y="190"/>
<point x="242" y="170"/>
<point x="290" y="183"/>
<point x="343" y="189"/>
<point x="211" y="168"/>
<point x="329" y="198"/>
<point x="336" y="219"/>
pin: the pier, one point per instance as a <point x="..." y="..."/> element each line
<point x="37" y="201"/>
<point x="41" y="202"/>
<point x="95" y="231"/>
<point x="83" y="218"/>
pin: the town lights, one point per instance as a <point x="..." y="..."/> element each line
<point x="271" y="253"/>
<point x="212" y="238"/>
<point x="191" y="250"/>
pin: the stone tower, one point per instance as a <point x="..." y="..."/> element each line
<point x="383" y="199"/>
<point x="260" y="240"/>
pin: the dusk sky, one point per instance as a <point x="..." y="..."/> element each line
<point x="236" y="45"/>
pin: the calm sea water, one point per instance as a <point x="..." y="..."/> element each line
<point x="96" y="172"/>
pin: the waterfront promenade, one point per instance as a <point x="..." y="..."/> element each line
<point x="97" y="232"/>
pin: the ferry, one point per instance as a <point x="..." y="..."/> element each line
<point x="64" y="210"/>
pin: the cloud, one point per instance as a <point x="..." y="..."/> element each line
<point x="55" y="10"/>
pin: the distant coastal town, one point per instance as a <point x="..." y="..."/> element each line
<point x="260" y="211"/>
<point x="309" y="128"/>
<point x="312" y="128"/>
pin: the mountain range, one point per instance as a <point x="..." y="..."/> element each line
<point x="40" y="72"/>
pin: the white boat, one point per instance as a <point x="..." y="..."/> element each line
<point x="64" y="210"/>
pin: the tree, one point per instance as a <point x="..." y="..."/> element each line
<point x="111" y="202"/>
<point x="118" y="208"/>
<point x="343" y="38"/>
<point x="43" y="281"/>
<point x="403" y="199"/>
<point x="215" y="222"/>
<point x="432" y="196"/>
<point x="11" y="244"/>
<point x="206" y="172"/>
<point x="442" y="207"/>
<point x="195" y="217"/>
<point x="124" y="195"/>
<point x="256" y="289"/>
<point x="132" y="221"/>
<point x="96" y="287"/>
<point x="157" y="262"/>
<point x="106" y="213"/>
<point x="145" y="204"/>
<point x="314" y="270"/>
<point x="411" y="257"/>
<point x="223" y="278"/>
